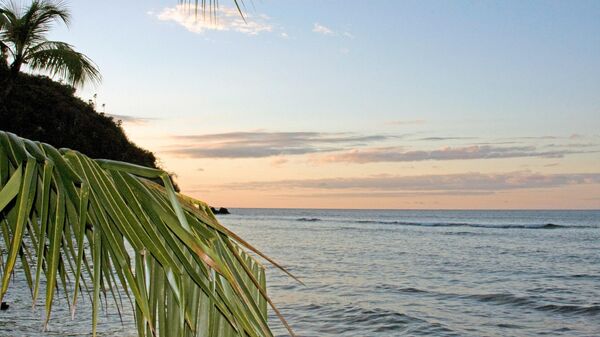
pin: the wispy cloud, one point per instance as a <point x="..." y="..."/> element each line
<point x="267" y="144"/>
<point x="324" y="30"/>
<point x="348" y="35"/>
<point x="538" y="137"/>
<point x="348" y="147"/>
<point x="399" y="154"/>
<point x="437" y="139"/>
<point x="573" y="145"/>
<point x="227" y="19"/>
<point x="472" y="181"/>
<point x="320" y="29"/>
<point x="382" y="194"/>
<point x="278" y="162"/>
<point x="407" y="122"/>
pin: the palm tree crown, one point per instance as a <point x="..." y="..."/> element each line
<point x="23" y="42"/>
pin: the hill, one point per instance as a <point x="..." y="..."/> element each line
<point x="47" y="111"/>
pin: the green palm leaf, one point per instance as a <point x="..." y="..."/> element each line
<point x="109" y="228"/>
<point x="59" y="58"/>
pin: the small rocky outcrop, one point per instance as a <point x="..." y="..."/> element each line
<point x="220" y="210"/>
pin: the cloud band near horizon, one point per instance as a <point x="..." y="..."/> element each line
<point x="473" y="182"/>
<point x="347" y="147"/>
<point x="267" y="144"/>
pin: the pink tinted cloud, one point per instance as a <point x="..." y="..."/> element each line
<point x="399" y="154"/>
<point x="472" y="181"/>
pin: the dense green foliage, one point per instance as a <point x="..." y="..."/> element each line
<point x="46" y="111"/>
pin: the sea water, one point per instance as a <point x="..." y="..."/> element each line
<point x="405" y="273"/>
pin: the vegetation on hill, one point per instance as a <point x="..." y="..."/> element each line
<point x="43" y="110"/>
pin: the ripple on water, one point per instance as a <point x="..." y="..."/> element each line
<point x="529" y="302"/>
<point x="362" y="321"/>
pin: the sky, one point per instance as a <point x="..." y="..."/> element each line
<point x="357" y="104"/>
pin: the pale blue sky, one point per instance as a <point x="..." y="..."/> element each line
<point x="511" y="62"/>
<point x="491" y="70"/>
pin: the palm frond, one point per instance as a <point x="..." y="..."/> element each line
<point x="23" y="37"/>
<point x="212" y="6"/>
<point x="107" y="225"/>
<point x="9" y="21"/>
<point x="3" y="20"/>
<point x="31" y="27"/>
<point x="43" y="13"/>
<point x="59" y="58"/>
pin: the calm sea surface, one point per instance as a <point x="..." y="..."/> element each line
<point x="407" y="273"/>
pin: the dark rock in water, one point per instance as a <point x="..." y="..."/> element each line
<point x="221" y="210"/>
<point x="4" y="306"/>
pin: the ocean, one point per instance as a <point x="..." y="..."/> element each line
<point x="375" y="273"/>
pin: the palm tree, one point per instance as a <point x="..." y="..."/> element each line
<point x="23" y="42"/>
<point x="105" y="226"/>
